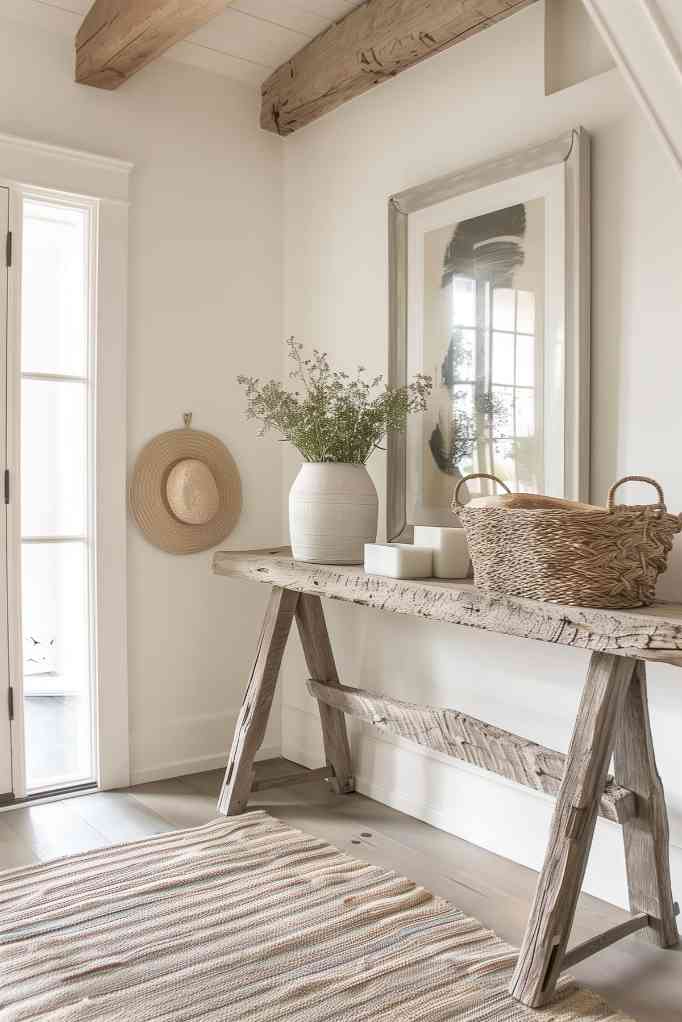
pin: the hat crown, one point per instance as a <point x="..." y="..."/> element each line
<point x="192" y="492"/>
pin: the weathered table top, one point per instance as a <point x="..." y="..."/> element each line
<point x="652" y="633"/>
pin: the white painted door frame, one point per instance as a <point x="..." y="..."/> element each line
<point x="26" y="165"/>
<point x="7" y="785"/>
<point x="14" y="634"/>
<point x="19" y="194"/>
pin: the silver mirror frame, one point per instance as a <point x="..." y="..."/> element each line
<point x="573" y="150"/>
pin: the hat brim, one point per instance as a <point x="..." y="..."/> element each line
<point x="147" y="491"/>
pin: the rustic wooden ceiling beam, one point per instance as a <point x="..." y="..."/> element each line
<point x="118" y="37"/>
<point x="375" y="41"/>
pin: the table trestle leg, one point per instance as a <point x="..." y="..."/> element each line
<point x="549" y="926"/>
<point x="320" y="661"/>
<point x="255" y="711"/>
<point x="646" y="835"/>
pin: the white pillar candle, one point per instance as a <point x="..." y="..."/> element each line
<point x="398" y="560"/>
<point x="450" y="551"/>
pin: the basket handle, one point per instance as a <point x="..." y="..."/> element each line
<point x="455" y="504"/>
<point x="610" y="503"/>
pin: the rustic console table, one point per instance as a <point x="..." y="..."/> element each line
<point x="613" y="720"/>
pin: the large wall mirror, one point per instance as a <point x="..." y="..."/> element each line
<point x="489" y="295"/>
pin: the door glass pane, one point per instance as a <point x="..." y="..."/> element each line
<point x="503" y="308"/>
<point x="54" y="289"/>
<point x="503" y="358"/>
<point x="54" y="452"/>
<point x="525" y="313"/>
<point x="525" y="361"/>
<point x="57" y="575"/>
<point x="525" y="413"/>
<point x="56" y="626"/>
<point x="463" y="301"/>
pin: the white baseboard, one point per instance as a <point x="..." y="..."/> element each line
<point x="178" y="745"/>
<point x="180" y="767"/>
<point x="463" y="800"/>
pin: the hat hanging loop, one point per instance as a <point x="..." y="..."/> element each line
<point x="187" y="419"/>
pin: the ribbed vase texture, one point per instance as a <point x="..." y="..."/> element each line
<point x="333" y="512"/>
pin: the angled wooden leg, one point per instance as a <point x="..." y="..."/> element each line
<point x="320" y="660"/>
<point x="253" y="718"/>
<point x="549" y="925"/>
<point x="646" y="835"/>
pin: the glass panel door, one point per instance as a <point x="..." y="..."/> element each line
<point x="57" y="534"/>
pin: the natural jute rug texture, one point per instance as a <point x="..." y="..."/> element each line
<point x="247" y="918"/>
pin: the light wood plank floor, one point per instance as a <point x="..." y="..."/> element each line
<point x="634" y="976"/>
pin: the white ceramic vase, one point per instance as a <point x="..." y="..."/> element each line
<point x="333" y="512"/>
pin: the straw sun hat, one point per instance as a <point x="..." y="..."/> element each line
<point x="185" y="492"/>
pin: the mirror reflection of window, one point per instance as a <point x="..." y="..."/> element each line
<point x="490" y="370"/>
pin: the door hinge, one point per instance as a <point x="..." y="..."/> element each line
<point x="8" y="248"/>
<point x="10" y="702"/>
<point x="6" y="486"/>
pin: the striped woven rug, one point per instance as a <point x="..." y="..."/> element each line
<point x="248" y="919"/>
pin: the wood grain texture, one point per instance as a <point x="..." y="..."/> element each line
<point x="319" y="657"/>
<point x="118" y="37"/>
<point x="470" y="740"/>
<point x="295" y="777"/>
<point x="603" y="940"/>
<point x="253" y="717"/>
<point x="654" y="633"/>
<point x="551" y="918"/>
<point x="470" y="179"/>
<point x="397" y="529"/>
<point x="646" y="835"/>
<point x="375" y="41"/>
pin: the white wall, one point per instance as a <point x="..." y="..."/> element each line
<point x="574" y="49"/>
<point x="204" y="305"/>
<point x="481" y="99"/>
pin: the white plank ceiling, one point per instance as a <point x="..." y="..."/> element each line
<point x="248" y="41"/>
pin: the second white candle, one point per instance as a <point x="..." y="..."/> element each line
<point x="450" y="551"/>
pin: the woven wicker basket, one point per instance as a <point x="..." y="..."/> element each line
<point x="600" y="557"/>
